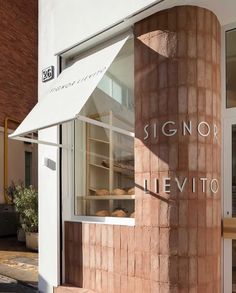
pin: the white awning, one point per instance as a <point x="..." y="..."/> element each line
<point x="69" y="92"/>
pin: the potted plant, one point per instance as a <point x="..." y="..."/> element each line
<point x="26" y="204"/>
<point x="11" y="191"/>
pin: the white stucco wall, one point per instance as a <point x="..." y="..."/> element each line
<point x="63" y="24"/>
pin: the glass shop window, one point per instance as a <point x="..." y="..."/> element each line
<point x="104" y="145"/>
<point x="231" y="68"/>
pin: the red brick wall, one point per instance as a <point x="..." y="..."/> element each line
<point x="175" y="244"/>
<point x="18" y="57"/>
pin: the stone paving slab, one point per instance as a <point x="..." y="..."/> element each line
<point x="17" y="262"/>
<point x="10" y="285"/>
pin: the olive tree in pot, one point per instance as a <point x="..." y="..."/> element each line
<point x="26" y="204"/>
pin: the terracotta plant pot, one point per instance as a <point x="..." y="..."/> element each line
<point x="32" y="241"/>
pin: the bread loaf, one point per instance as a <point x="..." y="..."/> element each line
<point x="131" y="191"/>
<point x="119" y="213"/>
<point x="118" y="191"/>
<point x="102" y="191"/>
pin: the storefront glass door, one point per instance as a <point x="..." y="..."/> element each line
<point x="229" y="223"/>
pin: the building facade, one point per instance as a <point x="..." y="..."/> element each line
<point x="137" y="139"/>
<point x="18" y="89"/>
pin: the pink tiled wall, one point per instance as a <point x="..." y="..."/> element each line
<point x="175" y="244"/>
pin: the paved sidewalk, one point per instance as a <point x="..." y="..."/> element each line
<point x="18" y="263"/>
<point x="10" y="285"/>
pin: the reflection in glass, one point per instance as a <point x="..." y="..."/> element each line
<point x="234" y="171"/>
<point x="104" y="153"/>
<point x="231" y="68"/>
<point x="234" y="204"/>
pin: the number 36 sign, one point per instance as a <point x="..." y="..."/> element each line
<point x="48" y="73"/>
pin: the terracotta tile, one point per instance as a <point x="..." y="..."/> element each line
<point x="163" y="101"/>
<point x="192" y="238"/>
<point x="182" y="43"/>
<point x="138" y="264"/>
<point x="192" y="100"/>
<point x="104" y="258"/>
<point x="98" y="236"/>
<point x="124" y="237"/>
<point x="92" y="279"/>
<point x="98" y="256"/>
<point x="172" y="73"/>
<point x="192" y="156"/>
<point x="110" y="256"/>
<point x="146" y="264"/>
<point x="183" y="267"/>
<point x="153" y="103"/>
<point x="124" y="261"/>
<point x="183" y="99"/>
<point x="183" y="241"/>
<point x="183" y="158"/>
<point x="192" y="213"/>
<point x="192" y="270"/>
<point x="131" y="283"/>
<point x="162" y="75"/>
<point x="124" y="284"/>
<point x="181" y="18"/>
<point x="192" y="44"/>
<point x="182" y="72"/>
<point x="92" y="259"/>
<point x="146" y="286"/>
<point x="138" y="285"/>
<point x="201" y="262"/>
<point x="183" y="213"/>
<point x="117" y="237"/>
<point x="146" y="239"/>
<point x="131" y="263"/>
<point x="147" y="212"/>
<point x="201" y="213"/>
<point x="154" y="246"/>
<point x="200" y="73"/>
<point x="155" y="267"/>
<point x="172" y="100"/>
<point x="110" y="282"/>
<point x="117" y="283"/>
<point x="208" y="75"/>
<point x="155" y="208"/>
<point x="201" y="157"/>
<point x="92" y="234"/>
<point x="192" y="71"/>
<point x="131" y="239"/>
<point x="110" y="236"/>
<point x="154" y="287"/>
<point x="201" y="241"/>
<point x="117" y="261"/>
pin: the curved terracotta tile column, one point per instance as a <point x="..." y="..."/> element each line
<point x="177" y="147"/>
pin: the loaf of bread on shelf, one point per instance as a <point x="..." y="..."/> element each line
<point x="118" y="191"/>
<point x="119" y="212"/>
<point x="131" y="191"/>
<point x="102" y="191"/>
<point x="102" y="213"/>
<point x="132" y="215"/>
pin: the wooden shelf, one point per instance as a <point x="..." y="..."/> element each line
<point x="108" y="197"/>
<point x="98" y="140"/>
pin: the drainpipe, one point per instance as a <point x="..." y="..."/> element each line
<point x="5" y="164"/>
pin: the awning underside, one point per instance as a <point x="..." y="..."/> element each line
<point x="69" y="92"/>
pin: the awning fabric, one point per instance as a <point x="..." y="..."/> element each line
<point x="70" y="91"/>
